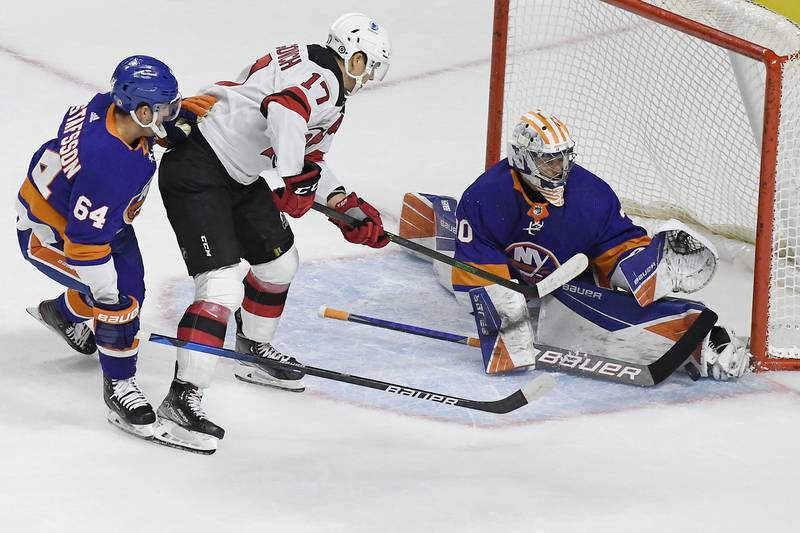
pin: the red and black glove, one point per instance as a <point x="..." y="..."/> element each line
<point x="297" y="197"/>
<point x="368" y="230"/>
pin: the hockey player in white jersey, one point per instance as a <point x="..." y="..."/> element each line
<point x="280" y="113"/>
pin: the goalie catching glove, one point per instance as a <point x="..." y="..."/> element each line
<point x="369" y="230"/>
<point x="678" y="259"/>
<point x="297" y="197"/>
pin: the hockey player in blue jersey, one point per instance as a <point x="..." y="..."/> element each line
<point x="74" y="213"/>
<point x="532" y="211"/>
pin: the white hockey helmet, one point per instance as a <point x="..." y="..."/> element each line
<point x="356" y="32"/>
<point x="541" y="150"/>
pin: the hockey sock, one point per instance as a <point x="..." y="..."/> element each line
<point x="204" y="322"/>
<point x="262" y="307"/>
<point x="74" y="306"/>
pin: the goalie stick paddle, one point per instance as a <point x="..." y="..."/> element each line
<point x="571" y="268"/>
<point x="570" y="361"/>
<point x="523" y="396"/>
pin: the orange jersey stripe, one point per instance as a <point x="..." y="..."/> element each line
<point x="86" y="252"/>
<point x="41" y="209"/>
<point x="461" y="277"/>
<point x="606" y="262"/>
<point x="45" y="212"/>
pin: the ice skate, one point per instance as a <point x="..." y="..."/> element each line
<point x="79" y="335"/>
<point x="291" y="380"/>
<point x="129" y="410"/>
<point x="183" y="424"/>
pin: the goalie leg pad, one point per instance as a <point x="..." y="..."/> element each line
<point x="504" y="328"/>
<point x="429" y="220"/>
<point x="588" y="319"/>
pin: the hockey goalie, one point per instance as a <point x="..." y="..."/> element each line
<point x="532" y="211"/>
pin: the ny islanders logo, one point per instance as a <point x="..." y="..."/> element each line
<point x="135" y="205"/>
<point x="532" y="261"/>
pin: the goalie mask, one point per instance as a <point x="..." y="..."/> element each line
<point x="355" y="32"/>
<point x="541" y="150"/>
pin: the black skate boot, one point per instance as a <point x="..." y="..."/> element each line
<point x="129" y="410"/>
<point x="79" y="335"/>
<point x="183" y="423"/>
<point x="291" y="380"/>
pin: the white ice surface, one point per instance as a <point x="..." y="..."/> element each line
<point x="589" y="457"/>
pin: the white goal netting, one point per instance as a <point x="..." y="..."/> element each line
<point x="671" y="121"/>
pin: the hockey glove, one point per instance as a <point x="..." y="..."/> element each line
<point x="193" y="109"/>
<point x="369" y="229"/>
<point x="116" y="325"/>
<point x="297" y="197"/>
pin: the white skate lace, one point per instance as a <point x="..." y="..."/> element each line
<point x="129" y="394"/>
<point x="265" y="350"/>
<point x="79" y="333"/>
<point x="193" y="399"/>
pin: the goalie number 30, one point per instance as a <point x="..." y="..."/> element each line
<point x="464" y="231"/>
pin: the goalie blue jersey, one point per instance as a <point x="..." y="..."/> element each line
<point x="86" y="184"/>
<point x="502" y="230"/>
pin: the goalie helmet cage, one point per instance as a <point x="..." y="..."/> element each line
<point x="690" y="109"/>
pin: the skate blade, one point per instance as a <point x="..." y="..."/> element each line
<point x="34" y="312"/>
<point x="144" y="431"/>
<point x="249" y="375"/>
<point x="171" y="434"/>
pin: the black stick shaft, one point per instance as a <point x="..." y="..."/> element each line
<point x="527" y="290"/>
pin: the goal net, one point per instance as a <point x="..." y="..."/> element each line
<point x="690" y="109"/>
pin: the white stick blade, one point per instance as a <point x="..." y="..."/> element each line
<point x="571" y="268"/>
<point x="538" y="387"/>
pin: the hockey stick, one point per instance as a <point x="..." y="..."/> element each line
<point x="523" y="396"/>
<point x="571" y="268"/>
<point x="570" y="361"/>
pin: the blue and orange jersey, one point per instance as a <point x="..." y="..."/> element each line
<point x="86" y="183"/>
<point x="503" y="230"/>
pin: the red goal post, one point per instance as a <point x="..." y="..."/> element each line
<point x="666" y="58"/>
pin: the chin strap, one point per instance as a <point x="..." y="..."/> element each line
<point x="158" y="130"/>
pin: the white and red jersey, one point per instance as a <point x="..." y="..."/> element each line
<point x="282" y="109"/>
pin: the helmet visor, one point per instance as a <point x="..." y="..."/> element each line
<point x="379" y="69"/>
<point x="167" y="111"/>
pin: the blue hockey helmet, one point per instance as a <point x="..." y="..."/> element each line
<point x="145" y="80"/>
